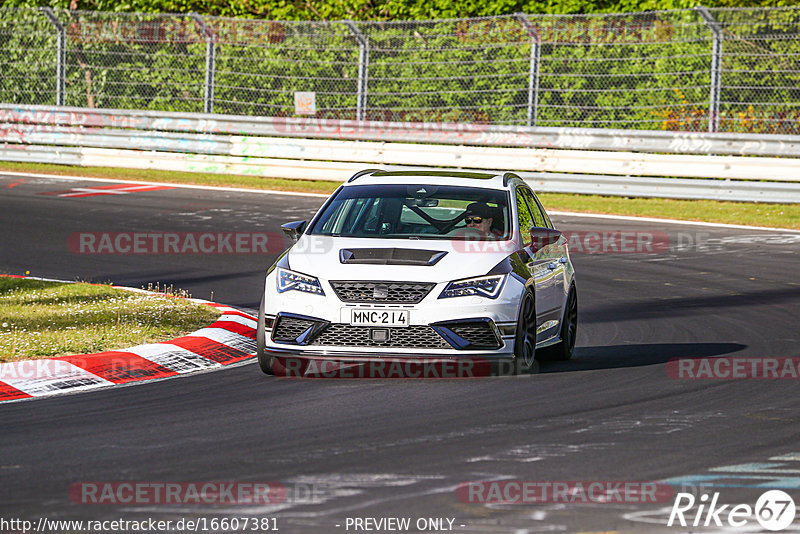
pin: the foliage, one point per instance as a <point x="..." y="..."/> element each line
<point x="388" y="10"/>
<point x="642" y="70"/>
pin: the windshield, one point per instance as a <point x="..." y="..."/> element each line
<point x="415" y="211"/>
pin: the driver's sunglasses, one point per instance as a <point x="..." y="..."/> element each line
<point x="470" y="220"/>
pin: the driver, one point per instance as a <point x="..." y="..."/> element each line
<point x="478" y="216"/>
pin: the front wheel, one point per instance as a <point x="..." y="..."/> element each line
<point x="525" y="342"/>
<point x="264" y="360"/>
<point x="564" y="349"/>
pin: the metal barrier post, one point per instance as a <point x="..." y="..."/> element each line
<point x="716" y="65"/>
<point x="363" y="68"/>
<point x="61" y="54"/>
<point x="533" y="71"/>
<point x="211" y="53"/>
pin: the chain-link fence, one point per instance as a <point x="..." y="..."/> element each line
<point x="695" y="70"/>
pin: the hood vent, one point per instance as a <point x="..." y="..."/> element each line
<point x="390" y="256"/>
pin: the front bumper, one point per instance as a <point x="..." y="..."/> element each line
<point x="461" y="327"/>
<point x="357" y="356"/>
<point x="468" y="334"/>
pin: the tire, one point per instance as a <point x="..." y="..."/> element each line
<point x="525" y="342"/>
<point x="564" y="349"/>
<point x="264" y="361"/>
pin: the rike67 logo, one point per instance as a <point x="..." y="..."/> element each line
<point x="774" y="511"/>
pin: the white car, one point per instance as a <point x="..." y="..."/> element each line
<point x="422" y="265"/>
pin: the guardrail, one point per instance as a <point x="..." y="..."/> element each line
<point x="440" y="133"/>
<point x="765" y="168"/>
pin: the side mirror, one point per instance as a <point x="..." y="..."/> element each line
<point x="541" y="237"/>
<point x="294" y="229"/>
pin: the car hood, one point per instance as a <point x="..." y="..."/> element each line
<point x="345" y="258"/>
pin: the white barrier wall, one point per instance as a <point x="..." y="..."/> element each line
<point x="335" y="149"/>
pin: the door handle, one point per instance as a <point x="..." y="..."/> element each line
<point x="562" y="259"/>
<point x="551" y="266"/>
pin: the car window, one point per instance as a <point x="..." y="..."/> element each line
<point x="411" y="211"/>
<point x="347" y="214"/>
<point x="536" y="210"/>
<point x="526" y="221"/>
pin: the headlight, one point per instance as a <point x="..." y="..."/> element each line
<point x="483" y="286"/>
<point x="290" y="280"/>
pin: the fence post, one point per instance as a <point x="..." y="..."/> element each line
<point x="533" y="72"/>
<point x="211" y="54"/>
<point x="61" y="54"/>
<point x="716" y="66"/>
<point x="363" y="68"/>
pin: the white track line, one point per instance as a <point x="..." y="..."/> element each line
<point x="319" y="195"/>
<point x="670" y="221"/>
<point x="166" y="184"/>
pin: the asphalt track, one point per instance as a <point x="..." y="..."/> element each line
<point x="399" y="448"/>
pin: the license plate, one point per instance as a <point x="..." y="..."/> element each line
<point x="373" y="317"/>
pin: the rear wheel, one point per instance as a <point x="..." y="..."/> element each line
<point x="264" y="360"/>
<point x="525" y="342"/>
<point x="564" y="349"/>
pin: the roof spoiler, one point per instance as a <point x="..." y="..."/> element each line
<point x="362" y="173"/>
<point x="508" y="176"/>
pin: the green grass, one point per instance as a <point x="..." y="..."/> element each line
<point x="41" y="319"/>
<point x="756" y="214"/>
<point x="749" y="213"/>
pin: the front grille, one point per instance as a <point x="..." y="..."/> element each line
<point x="480" y="334"/>
<point x="411" y="337"/>
<point x="289" y="328"/>
<point x="394" y="292"/>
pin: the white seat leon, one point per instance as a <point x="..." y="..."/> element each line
<point x="422" y="265"/>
